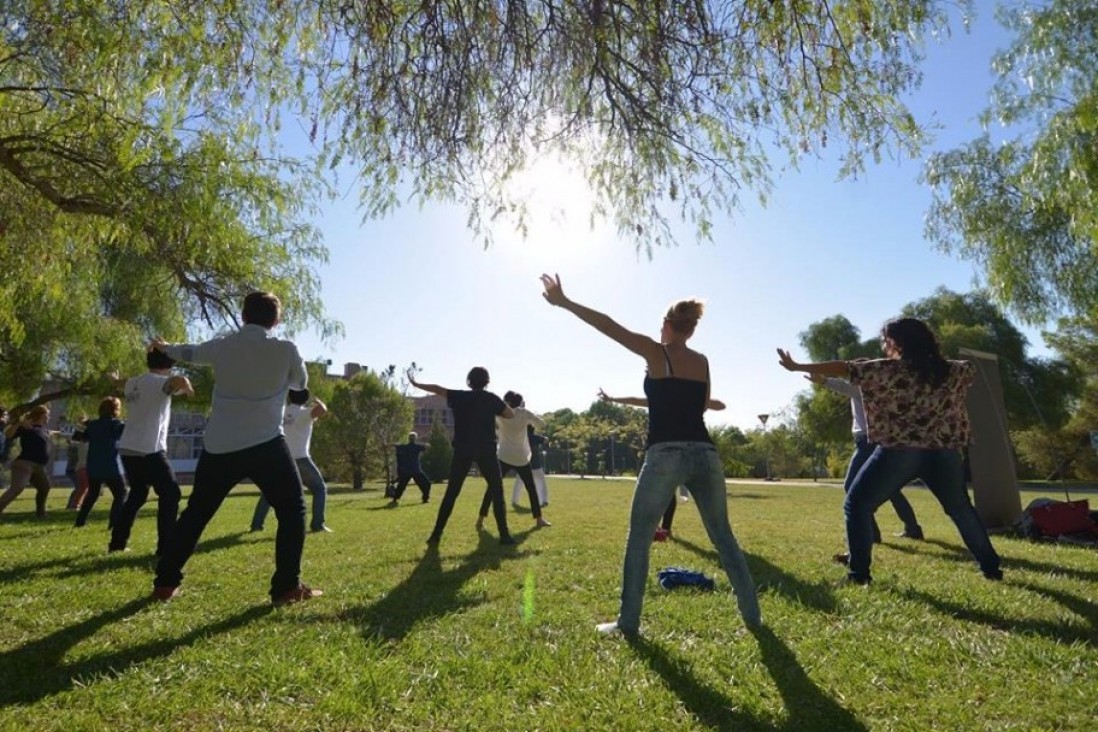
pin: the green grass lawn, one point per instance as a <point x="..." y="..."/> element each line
<point x="483" y="637"/>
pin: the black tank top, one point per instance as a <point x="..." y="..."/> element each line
<point x="676" y="408"/>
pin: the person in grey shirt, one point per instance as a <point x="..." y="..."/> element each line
<point x="253" y="370"/>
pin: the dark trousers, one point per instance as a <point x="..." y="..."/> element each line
<point x="143" y="472"/>
<point x="889" y="469"/>
<point x="95" y="486"/>
<point x="863" y="448"/>
<point x="486" y="461"/>
<point x="421" y="480"/>
<point x="527" y="475"/>
<point x="270" y="466"/>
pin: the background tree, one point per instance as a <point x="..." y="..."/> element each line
<point x="439" y="453"/>
<point x="366" y="416"/>
<point x="1025" y="208"/>
<point x="126" y="208"/>
<point x="1064" y="451"/>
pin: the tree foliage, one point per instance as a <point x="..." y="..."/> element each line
<point x="1026" y="208"/>
<point x="662" y="106"/>
<point x="128" y="205"/>
<point x="367" y="414"/>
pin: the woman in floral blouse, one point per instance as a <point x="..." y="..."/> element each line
<point x="915" y="409"/>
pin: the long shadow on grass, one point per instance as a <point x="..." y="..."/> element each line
<point x="807" y="707"/>
<point x="37" y="670"/>
<point x="1062" y="632"/>
<point x="80" y="566"/>
<point x="120" y="560"/>
<point x="770" y="577"/>
<point x="430" y="591"/>
<point x="958" y="553"/>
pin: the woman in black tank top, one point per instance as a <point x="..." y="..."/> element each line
<point x="679" y="452"/>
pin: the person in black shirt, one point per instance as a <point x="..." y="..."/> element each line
<point x="409" y="468"/>
<point x="34" y="455"/>
<point x="475" y="413"/>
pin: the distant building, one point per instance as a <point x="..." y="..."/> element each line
<point x="428" y="409"/>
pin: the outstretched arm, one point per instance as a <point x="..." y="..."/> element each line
<point x="837" y="369"/>
<point x="433" y="388"/>
<point x="638" y="343"/>
<point x="629" y="401"/>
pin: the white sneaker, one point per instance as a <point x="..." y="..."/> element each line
<point x="607" y="628"/>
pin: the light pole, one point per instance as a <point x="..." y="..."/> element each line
<point x="763" y="418"/>
<point x="612" y="461"/>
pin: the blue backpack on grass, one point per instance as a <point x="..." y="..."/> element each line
<point x="673" y="577"/>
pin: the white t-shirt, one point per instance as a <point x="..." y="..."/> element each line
<point x="514" y="448"/>
<point x="148" y="411"/>
<point x="297" y="425"/>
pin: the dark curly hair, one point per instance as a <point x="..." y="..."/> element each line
<point x="918" y="349"/>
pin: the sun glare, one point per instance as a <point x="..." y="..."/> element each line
<point x="558" y="217"/>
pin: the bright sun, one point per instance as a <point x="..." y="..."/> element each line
<point x="558" y="204"/>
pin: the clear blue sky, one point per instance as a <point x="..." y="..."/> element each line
<point x="417" y="286"/>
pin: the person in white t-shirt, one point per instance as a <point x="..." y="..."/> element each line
<point x="143" y="448"/>
<point x="515" y="454"/>
<point x="297" y="426"/>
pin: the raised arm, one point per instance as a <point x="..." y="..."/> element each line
<point x="189" y="352"/>
<point x="628" y="401"/>
<point x="433" y="388"/>
<point x="836" y="369"/>
<point x="638" y="343"/>
<point x="319" y="409"/>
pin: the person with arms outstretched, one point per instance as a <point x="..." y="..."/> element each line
<point x="475" y="411"/>
<point x="410" y="468"/>
<point x="916" y="413"/>
<point x="253" y="370"/>
<point x="679" y="451"/>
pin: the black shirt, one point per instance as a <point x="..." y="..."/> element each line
<point x="408" y="456"/>
<point x="34" y="443"/>
<point x="474" y="418"/>
<point x="676" y="410"/>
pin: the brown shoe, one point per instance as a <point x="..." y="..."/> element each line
<point x="843" y="558"/>
<point x="297" y="594"/>
<point x="165" y="593"/>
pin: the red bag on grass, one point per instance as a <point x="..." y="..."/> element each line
<point x="1063" y="517"/>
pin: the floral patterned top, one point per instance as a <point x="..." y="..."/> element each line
<point x="903" y="412"/>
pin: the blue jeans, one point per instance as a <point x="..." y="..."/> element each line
<point x="863" y="448"/>
<point x="666" y="466"/>
<point x="889" y="469"/>
<point x="311" y="479"/>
